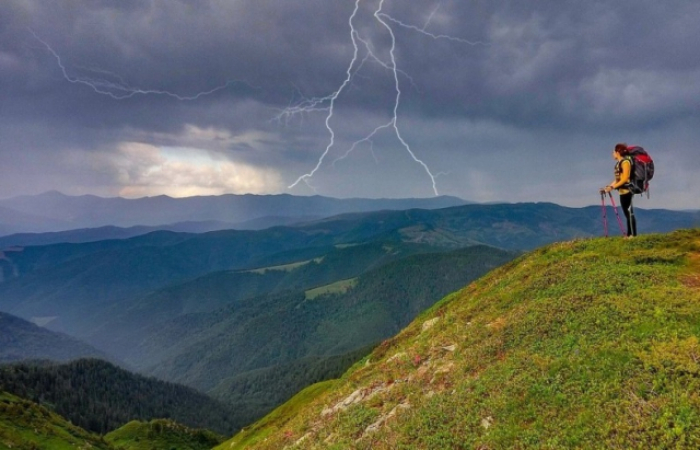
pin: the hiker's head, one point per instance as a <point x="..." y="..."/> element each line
<point x="620" y="151"/>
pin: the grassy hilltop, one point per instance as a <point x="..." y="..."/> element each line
<point x="27" y="426"/>
<point x="584" y="344"/>
<point x="24" y="425"/>
<point x="161" y="434"/>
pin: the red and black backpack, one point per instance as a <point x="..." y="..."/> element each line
<point x="642" y="170"/>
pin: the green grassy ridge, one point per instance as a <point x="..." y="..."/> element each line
<point x="27" y="426"/>
<point x="274" y="421"/>
<point x="338" y="287"/>
<point x="161" y="434"/>
<point x="583" y="344"/>
<point x="284" y="267"/>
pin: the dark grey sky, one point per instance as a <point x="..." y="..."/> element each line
<point x="499" y="100"/>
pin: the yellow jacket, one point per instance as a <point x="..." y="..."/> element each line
<point x="622" y="175"/>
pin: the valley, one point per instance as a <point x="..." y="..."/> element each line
<point x="249" y="318"/>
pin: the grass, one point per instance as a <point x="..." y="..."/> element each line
<point x="277" y="419"/>
<point x="284" y="267"/>
<point x="578" y="345"/>
<point x="28" y="426"/>
<point x="339" y="287"/>
<point x="161" y="434"/>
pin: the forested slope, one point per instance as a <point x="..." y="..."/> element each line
<point x="101" y="397"/>
<point x="583" y="344"/>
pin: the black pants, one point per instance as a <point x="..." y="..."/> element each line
<point x="628" y="210"/>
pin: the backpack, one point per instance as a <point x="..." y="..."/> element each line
<point x="642" y="170"/>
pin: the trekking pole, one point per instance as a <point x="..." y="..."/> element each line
<point x="619" y="221"/>
<point x="605" y="214"/>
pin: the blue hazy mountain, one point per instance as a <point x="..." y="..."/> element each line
<point x="53" y="211"/>
<point x="22" y="340"/>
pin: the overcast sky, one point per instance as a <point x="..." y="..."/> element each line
<point x="486" y="100"/>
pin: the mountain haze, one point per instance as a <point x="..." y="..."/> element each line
<point x="21" y="340"/>
<point x="106" y="233"/>
<point x="53" y="211"/>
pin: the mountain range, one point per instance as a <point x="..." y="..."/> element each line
<point x="53" y="211"/>
<point x="590" y="343"/>
<point x="223" y="325"/>
<point x="67" y="286"/>
<point x="108" y="291"/>
<point x="250" y="317"/>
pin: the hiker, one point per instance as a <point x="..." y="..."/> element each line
<point x="623" y="169"/>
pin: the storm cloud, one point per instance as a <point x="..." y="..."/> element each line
<point x="501" y="100"/>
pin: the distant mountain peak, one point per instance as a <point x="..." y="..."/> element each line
<point x="54" y="211"/>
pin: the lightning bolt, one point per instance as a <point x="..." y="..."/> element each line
<point x="394" y="119"/>
<point x="313" y="104"/>
<point x="426" y="33"/>
<point x="327" y="103"/>
<point x="430" y="17"/>
<point x="121" y="90"/>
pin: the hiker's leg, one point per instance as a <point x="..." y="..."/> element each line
<point x="625" y="203"/>
<point x="633" y="219"/>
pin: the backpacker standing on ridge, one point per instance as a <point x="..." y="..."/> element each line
<point x="623" y="170"/>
